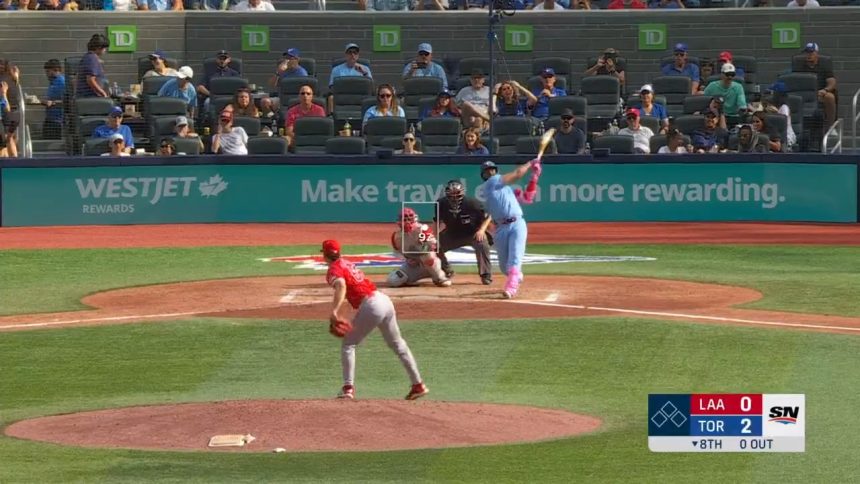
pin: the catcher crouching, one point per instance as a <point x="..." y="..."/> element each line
<point x="417" y="245"/>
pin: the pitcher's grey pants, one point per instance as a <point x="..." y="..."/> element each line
<point x="376" y="311"/>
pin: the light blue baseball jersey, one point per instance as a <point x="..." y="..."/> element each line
<point x="343" y="70"/>
<point x="501" y="203"/>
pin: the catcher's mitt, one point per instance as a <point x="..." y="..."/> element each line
<point x="339" y="327"/>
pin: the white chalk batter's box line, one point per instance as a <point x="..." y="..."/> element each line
<point x="403" y="206"/>
<point x="289" y="299"/>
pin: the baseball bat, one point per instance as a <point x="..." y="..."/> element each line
<point x="545" y="140"/>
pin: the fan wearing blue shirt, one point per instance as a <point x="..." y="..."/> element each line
<point x="350" y="66"/>
<point x="52" y="127"/>
<point x="114" y="125"/>
<point x="649" y="108"/>
<point x="91" y="73"/>
<point x="181" y="87"/>
<point x="680" y="66"/>
<point x="539" y="101"/>
<point x="423" y="66"/>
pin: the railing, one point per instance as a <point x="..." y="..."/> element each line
<point x="837" y="148"/>
<point x="25" y="144"/>
<point x="855" y="118"/>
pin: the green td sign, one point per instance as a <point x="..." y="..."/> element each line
<point x="386" y="38"/>
<point x="255" y="38"/>
<point x="785" y="35"/>
<point x="519" y="38"/>
<point x="122" y="38"/>
<point x="652" y="36"/>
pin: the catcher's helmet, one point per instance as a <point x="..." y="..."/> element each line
<point x="408" y="219"/>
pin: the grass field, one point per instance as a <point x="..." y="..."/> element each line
<point x="599" y="366"/>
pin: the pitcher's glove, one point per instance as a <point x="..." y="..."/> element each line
<point x="339" y="327"/>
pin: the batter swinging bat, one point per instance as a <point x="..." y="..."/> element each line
<point x="545" y="140"/>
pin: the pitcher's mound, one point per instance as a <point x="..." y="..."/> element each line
<point x="308" y="425"/>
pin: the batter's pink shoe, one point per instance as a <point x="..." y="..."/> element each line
<point x="418" y="390"/>
<point x="347" y="392"/>
<point x="512" y="285"/>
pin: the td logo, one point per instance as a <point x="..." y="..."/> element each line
<point x="652" y="37"/>
<point x="519" y="38"/>
<point x="785" y="35"/>
<point x="255" y="38"/>
<point x="122" y="38"/>
<point x="386" y="38"/>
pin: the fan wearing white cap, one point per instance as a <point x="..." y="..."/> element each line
<point x="253" y="6"/>
<point x="649" y="108"/>
<point x="423" y="66"/>
<point x="117" y="146"/>
<point x="182" y="88"/>
<point x="734" y="99"/>
<point x="803" y="4"/>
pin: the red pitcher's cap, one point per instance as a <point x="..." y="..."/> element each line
<point x="330" y="247"/>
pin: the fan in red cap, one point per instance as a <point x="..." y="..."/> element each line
<point x="641" y="134"/>
<point x="726" y="57"/>
<point x="374" y="310"/>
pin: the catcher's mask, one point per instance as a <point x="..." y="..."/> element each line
<point x="455" y="192"/>
<point x="486" y="168"/>
<point x="408" y="219"/>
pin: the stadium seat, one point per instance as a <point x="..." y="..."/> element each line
<point x="188" y="146"/>
<point x="577" y="104"/>
<point x="311" y="134"/>
<point x="348" y="94"/>
<point x="602" y="94"/>
<point x="87" y="124"/>
<point x="780" y="123"/>
<point x="688" y="123"/>
<point x="96" y="146"/>
<point x="528" y="145"/>
<point x="250" y="124"/>
<point x="507" y="129"/>
<point x="151" y="85"/>
<point x="696" y="103"/>
<point x="659" y="140"/>
<point x="651" y="123"/>
<point x="617" y="144"/>
<point x="342" y="145"/>
<point x="165" y="106"/>
<point x="378" y="128"/>
<point x="675" y="89"/>
<point x="426" y="103"/>
<point x="440" y="135"/>
<point x="561" y="65"/>
<point x="267" y="145"/>
<point x="159" y="127"/>
<point x="226" y="86"/>
<point x="467" y="64"/>
<point x="288" y="87"/>
<point x="805" y="85"/>
<point x="416" y="88"/>
<point x="93" y="106"/>
<point x="310" y="65"/>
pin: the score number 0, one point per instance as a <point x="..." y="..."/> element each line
<point x="746" y="405"/>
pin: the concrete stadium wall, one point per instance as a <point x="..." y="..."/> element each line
<point x="28" y="39"/>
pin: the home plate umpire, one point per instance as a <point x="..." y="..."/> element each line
<point x="466" y="223"/>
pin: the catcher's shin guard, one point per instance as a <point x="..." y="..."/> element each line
<point x="434" y="266"/>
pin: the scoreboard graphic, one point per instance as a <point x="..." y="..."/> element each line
<point x="728" y="422"/>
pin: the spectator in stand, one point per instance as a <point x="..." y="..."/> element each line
<point x="183" y="130"/>
<point x="243" y="105"/>
<point x="547" y="5"/>
<point x="8" y="139"/>
<point x="160" y="5"/>
<point x="579" y="5"/>
<point x="759" y="125"/>
<point x="716" y="104"/>
<point x="229" y="139"/>
<point x="674" y="143"/>
<point x="116" y="143"/>
<point x="253" y="6"/>
<point x="666" y="4"/>
<point x="706" y="70"/>
<point x="56" y="5"/>
<point x="114" y="126"/>
<point x="159" y="66"/>
<point x="777" y="103"/>
<point x="288" y="67"/>
<point x="710" y="139"/>
<point x="474" y="101"/>
<point x="539" y="101"/>
<point x="626" y="5"/>
<point x="748" y="141"/>
<point x="384" y="5"/>
<point x="734" y="99"/>
<point x="305" y="108"/>
<point x="181" y="87"/>
<point x="649" y="108"/>
<point x="432" y="5"/>
<point x="727" y="58"/>
<point x="443" y="108"/>
<point x="472" y="5"/>
<point x="167" y="147"/>
<point x="803" y="4"/>
<point x="214" y="5"/>
<point x="91" y="73"/>
<point x="10" y="76"/>
<point x="52" y="127"/>
<point x="350" y="66"/>
<point x="827" y="92"/>
<point x="423" y="66"/>
<point x="222" y="69"/>
<point x="472" y="145"/>
<point x="408" y="146"/>
<point x="641" y="134"/>
<point x="680" y="67"/>
<point x="569" y="139"/>
<point x="386" y="105"/>
<point x="507" y="100"/>
<point x="607" y="65"/>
